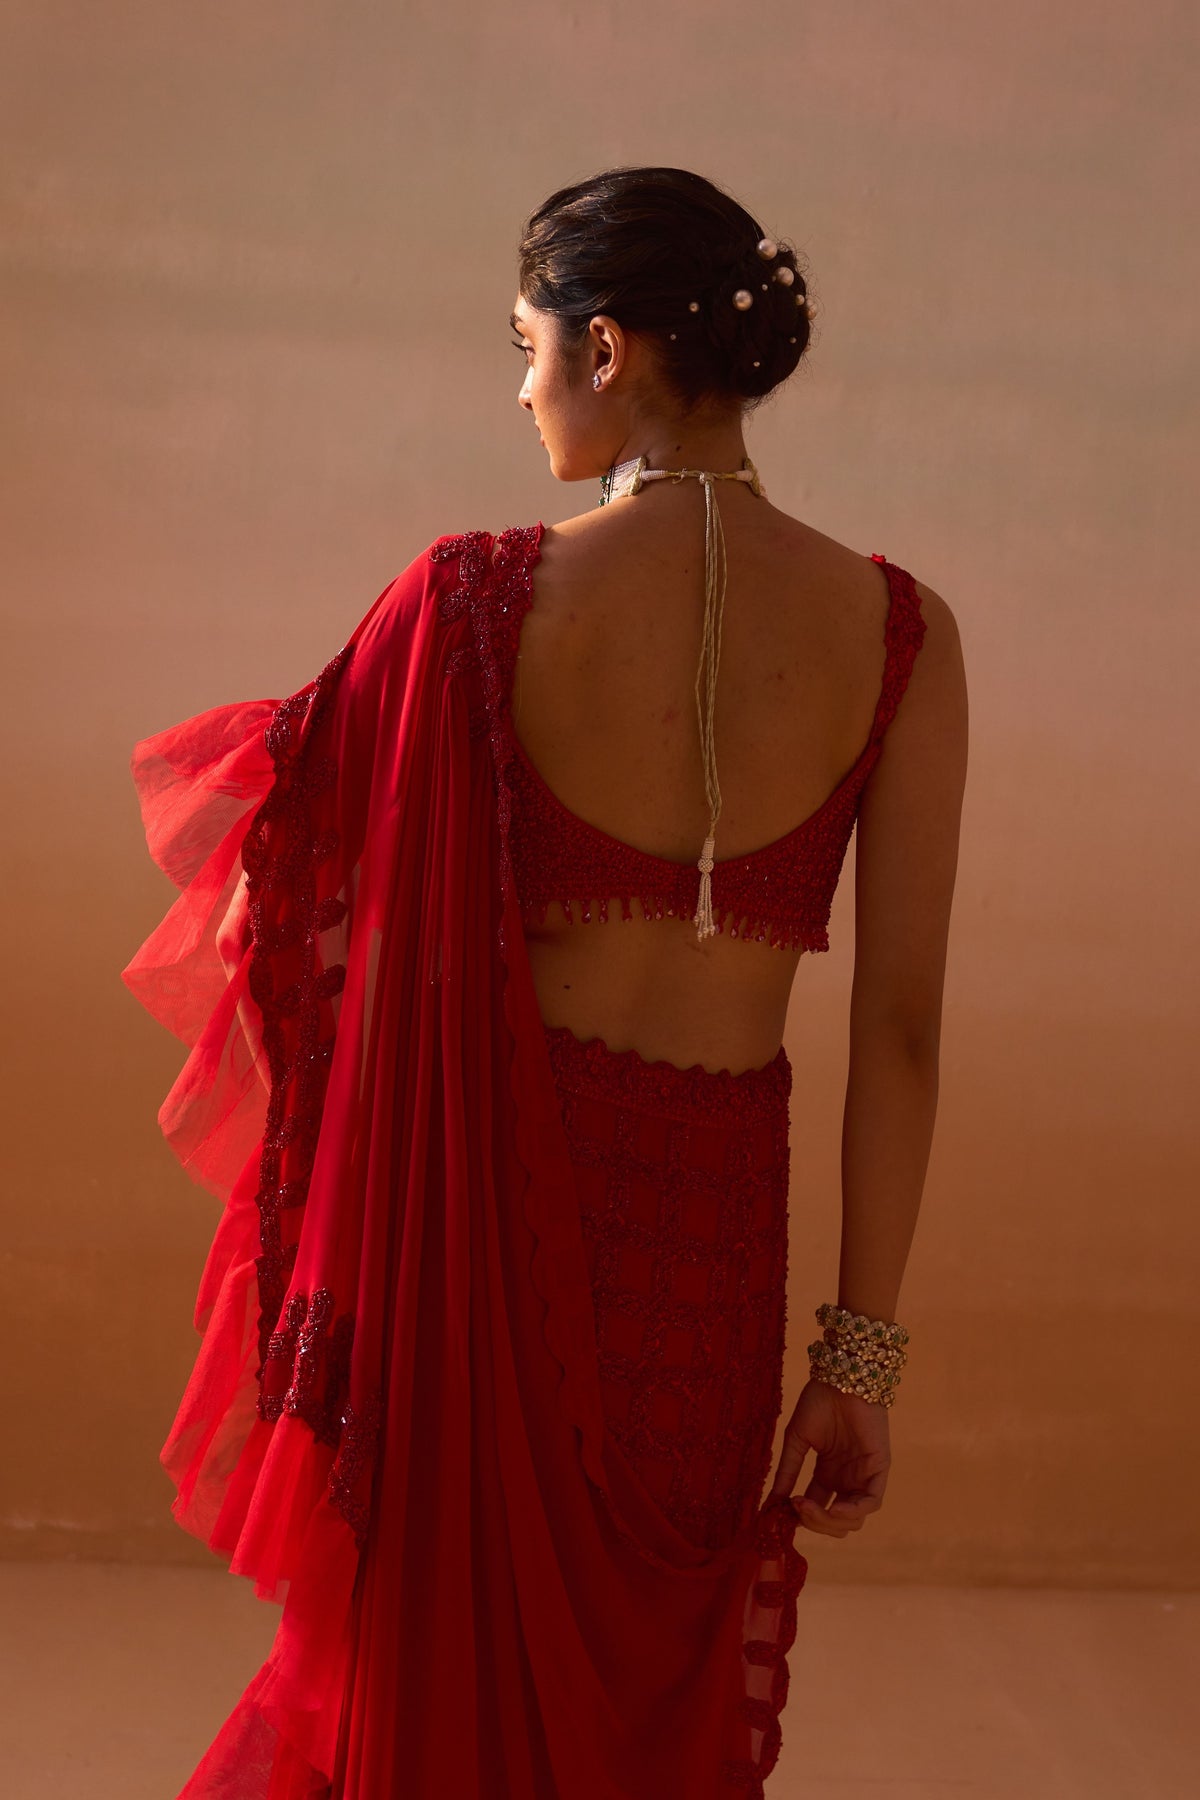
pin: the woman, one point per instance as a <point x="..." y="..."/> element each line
<point x="494" y="1319"/>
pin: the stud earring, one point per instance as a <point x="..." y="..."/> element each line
<point x="595" y="381"/>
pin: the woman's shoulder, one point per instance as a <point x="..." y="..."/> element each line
<point x="847" y="569"/>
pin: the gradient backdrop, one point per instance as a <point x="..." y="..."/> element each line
<point x="257" y="260"/>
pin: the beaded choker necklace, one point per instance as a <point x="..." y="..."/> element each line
<point x="627" y="478"/>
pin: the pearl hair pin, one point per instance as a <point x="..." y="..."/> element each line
<point x="743" y="299"/>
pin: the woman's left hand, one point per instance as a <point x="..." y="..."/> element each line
<point x="850" y="1437"/>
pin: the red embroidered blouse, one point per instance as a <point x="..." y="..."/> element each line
<point x="780" y="894"/>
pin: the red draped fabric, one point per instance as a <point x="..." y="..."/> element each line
<point x="394" y="1425"/>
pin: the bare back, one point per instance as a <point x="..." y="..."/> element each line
<point x="604" y="705"/>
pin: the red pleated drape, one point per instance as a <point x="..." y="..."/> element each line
<point x="394" y="1425"/>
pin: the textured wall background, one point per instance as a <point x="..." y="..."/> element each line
<point x="256" y="267"/>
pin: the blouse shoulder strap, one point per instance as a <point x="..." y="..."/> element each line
<point x="903" y="636"/>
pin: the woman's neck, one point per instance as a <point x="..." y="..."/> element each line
<point x="718" y="447"/>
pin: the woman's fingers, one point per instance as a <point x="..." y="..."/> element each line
<point x="853" y="1509"/>
<point x="795" y="1448"/>
<point x="845" y="1446"/>
<point x="817" y="1509"/>
<point x="811" y="1508"/>
<point x="854" y="1505"/>
<point x="813" y="1515"/>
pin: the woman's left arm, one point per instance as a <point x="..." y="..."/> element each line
<point x="905" y="868"/>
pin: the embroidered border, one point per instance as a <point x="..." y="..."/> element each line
<point x="304" y="1357"/>
<point x="281" y="856"/>
<point x="507" y="566"/>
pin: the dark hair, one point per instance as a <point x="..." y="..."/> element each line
<point x="640" y="244"/>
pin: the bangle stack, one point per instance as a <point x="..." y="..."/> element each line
<point x="858" y="1355"/>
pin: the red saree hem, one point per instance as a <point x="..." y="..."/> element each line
<point x="394" y="1424"/>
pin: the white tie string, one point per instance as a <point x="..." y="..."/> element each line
<point x="626" y="478"/>
<point x="715" y="567"/>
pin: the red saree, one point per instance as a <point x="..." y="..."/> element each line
<point x="394" y="1424"/>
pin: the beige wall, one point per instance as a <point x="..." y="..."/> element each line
<point x="257" y="261"/>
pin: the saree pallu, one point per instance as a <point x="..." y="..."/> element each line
<point x="515" y="1558"/>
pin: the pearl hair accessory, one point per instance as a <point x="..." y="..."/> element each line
<point x="743" y="299"/>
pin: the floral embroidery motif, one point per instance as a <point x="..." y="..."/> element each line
<point x="470" y="547"/>
<point x="349" y="1488"/>
<point x="486" y="582"/>
<point x="300" y="1352"/>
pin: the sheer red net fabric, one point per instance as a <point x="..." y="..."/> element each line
<point x="395" y="1425"/>
<point x="269" y="1452"/>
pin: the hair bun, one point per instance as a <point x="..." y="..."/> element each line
<point x="670" y="255"/>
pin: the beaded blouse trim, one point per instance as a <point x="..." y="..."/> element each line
<point x="780" y="894"/>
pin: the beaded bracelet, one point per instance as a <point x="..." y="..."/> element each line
<point x="858" y="1355"/>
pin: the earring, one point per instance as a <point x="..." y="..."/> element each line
<point x="595" y="381"/>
